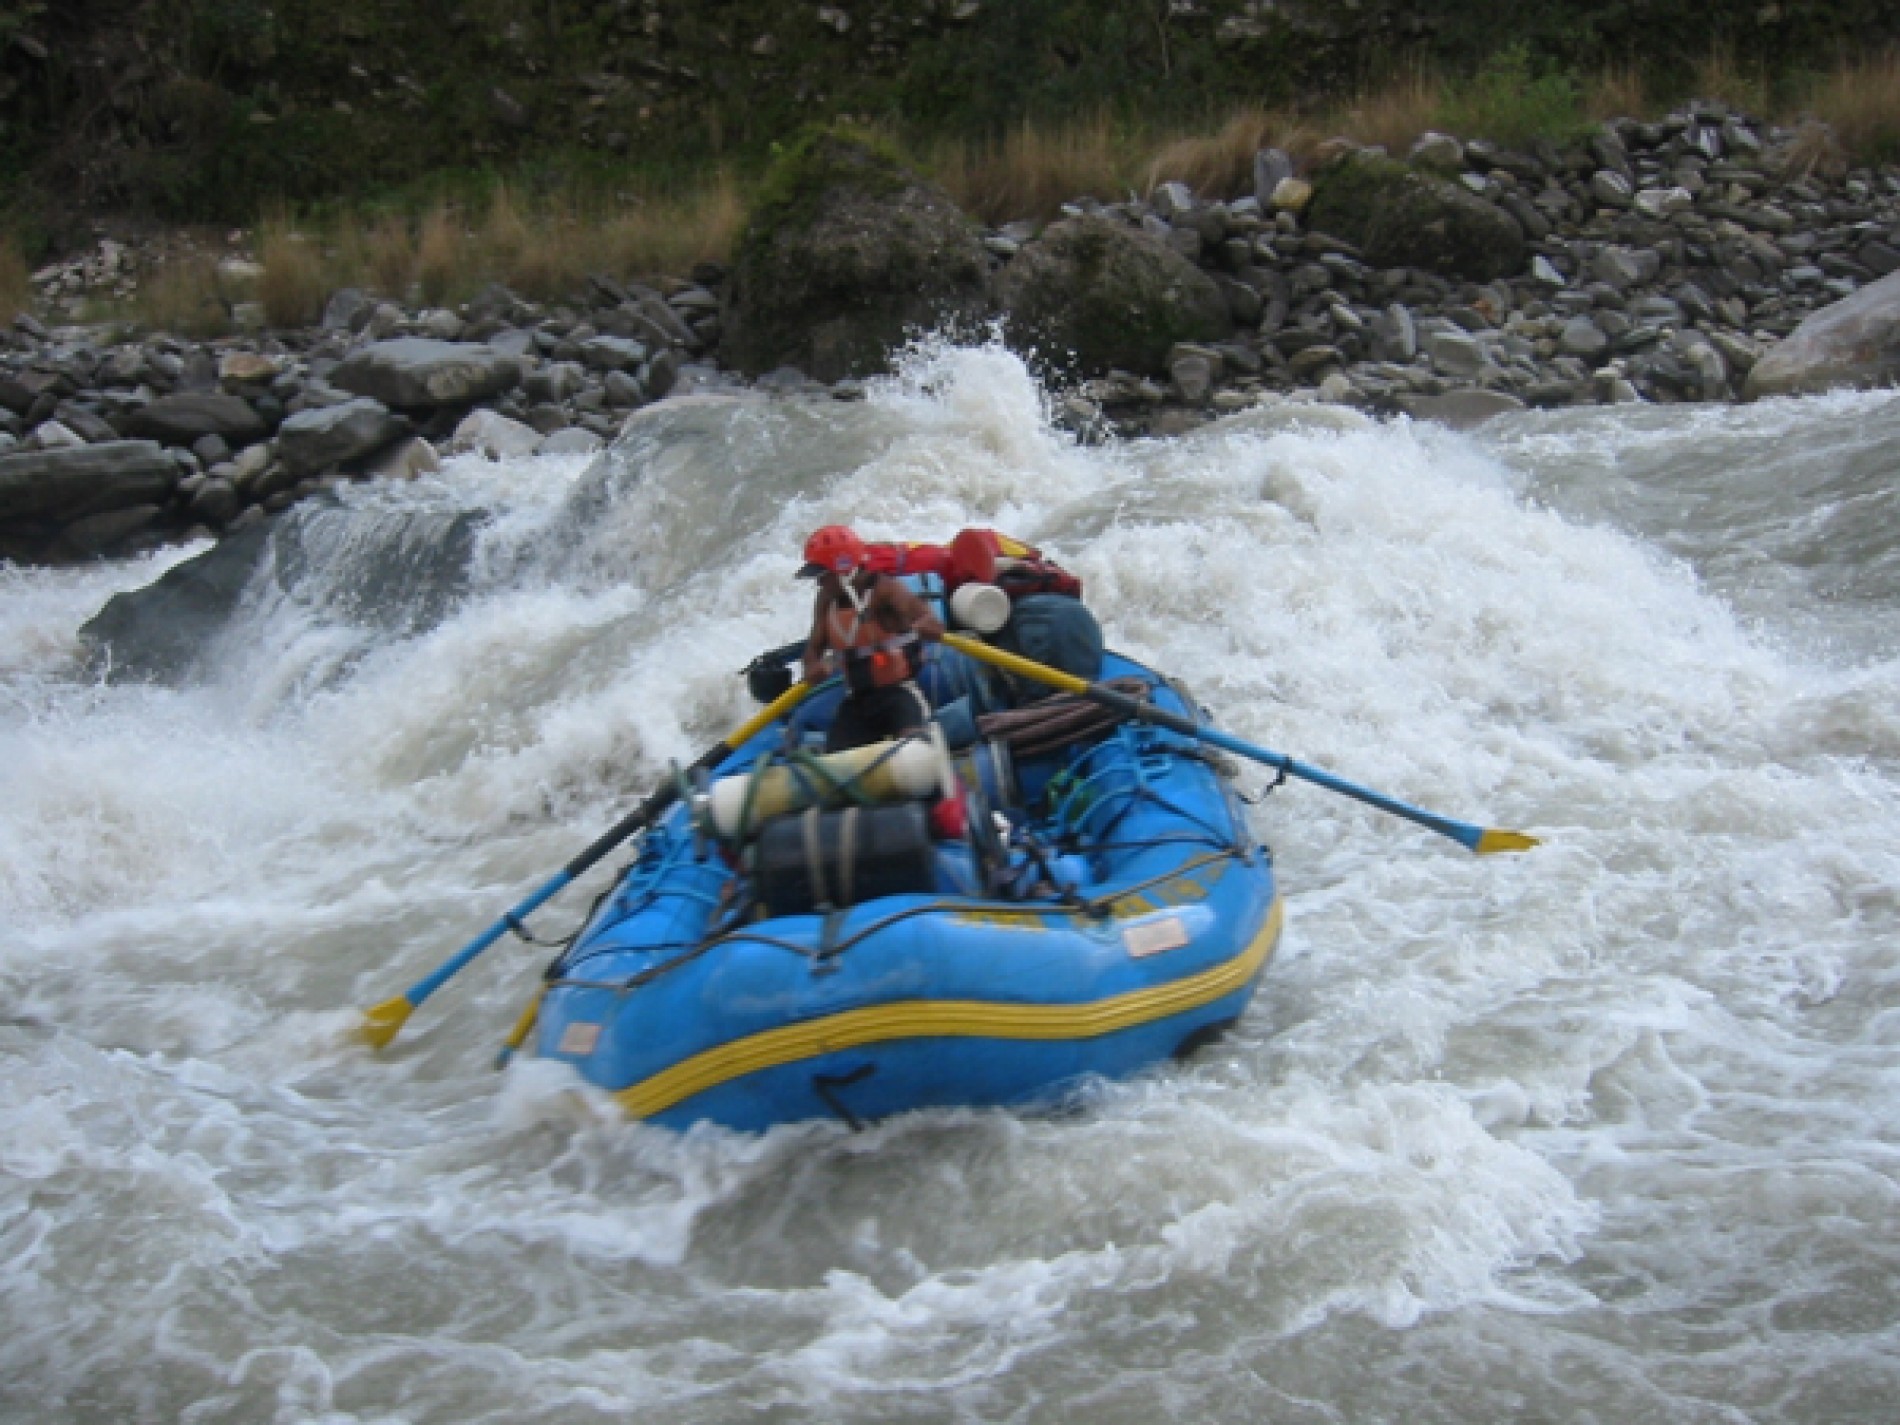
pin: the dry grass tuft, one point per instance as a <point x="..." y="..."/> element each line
<point x="1814" y="149"/>
<point x="16" y="286"/>
<point x="442" y="255"/>
<point x="1035" y="170"/>
<point x="1393" y="112"/>
<point x="1860" y="102"/>
<point x="673" y="234"/>
<point x="1721" y="75"/>
<point x="185" y="298"/>
<point x="1218" y="165"/>
<point x="1617" y="91"/>
<point x="294" y="285"/>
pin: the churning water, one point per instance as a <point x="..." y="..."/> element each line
<point x="1606" y="1132"/>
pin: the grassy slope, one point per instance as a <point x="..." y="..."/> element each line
<point x="210" y="110"/>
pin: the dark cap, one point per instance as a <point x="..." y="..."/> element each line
<point x="810" y="571"/>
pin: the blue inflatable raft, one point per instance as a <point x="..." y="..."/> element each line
<point x="801" y="938"/>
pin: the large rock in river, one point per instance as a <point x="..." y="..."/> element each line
<point x="1400" y="217"/>
<point x="397" y="571"/>
<point x="62" y="485"/>
<point x="1854" y="342"/>
<point x="418" y="373"/>
<point x="846" y="255"/>
<point x="1094" y="294"/>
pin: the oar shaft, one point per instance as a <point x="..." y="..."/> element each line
<point x="386" y="1019"/>
<point x="1476" y="838"/>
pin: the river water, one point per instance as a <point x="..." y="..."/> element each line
<point x="1607" y="1132"/>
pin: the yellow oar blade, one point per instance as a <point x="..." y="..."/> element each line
<point x="1492" y="843"/>
<point x="382" y="1023"/>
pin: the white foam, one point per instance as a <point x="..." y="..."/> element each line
<point x="1525" y="1105"/>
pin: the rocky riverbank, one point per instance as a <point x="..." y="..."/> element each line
<point x="1654" y="262"/>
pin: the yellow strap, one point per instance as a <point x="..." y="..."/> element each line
<point x="933" y="1019"/>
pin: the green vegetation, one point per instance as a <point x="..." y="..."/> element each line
<point x="211" y="110"/>
<point x="435" y="147"/>
<point x="1512" y="100"/>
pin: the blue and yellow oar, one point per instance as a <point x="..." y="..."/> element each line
<point x="382" y="1023"/>
<point x="1484" y="840"/>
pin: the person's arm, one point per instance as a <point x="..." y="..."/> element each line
<point x="817" y="650"/>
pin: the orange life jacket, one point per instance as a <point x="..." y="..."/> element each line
<point x="870" y="655"/>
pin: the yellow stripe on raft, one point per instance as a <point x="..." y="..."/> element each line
<point x="935" y="1019"/>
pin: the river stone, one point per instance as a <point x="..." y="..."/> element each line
<point x="492" y="434"/>
<point x="1852" y="343"/>
<point x="418" y="373"/>
<point x="216" y="502"/>
<point x="245" y="368"/>
<point x="662" y="374"/>
<point x="846" y="255"/>
<point x="57" y="435"/>
<point x="613" y="353"/>
<point x="315" y="440"/>
<point x="1582" y="337"/>
<point x="570" y="442"/>
<point x="63" y="485"/>
<point x="1461" y="410"/>
<point x="1095" y="295"/>
<point x="1290" y="195"/>
<point x="1193" y="377"/>
<point x="1437" y="151"/>
<point x="188" y="417"/>
<point x="1611" y="190"/>
<point x="405" y="460"/>
<point x="1271" y="167"/>
<point x="108" y="532"/>
<point x="1401" y="217"/>
<point x="1662" y="202"/>
<point x="1456" y="355"/>
<point x="1395" y="333"/>
<point x="1621" y="267"/>
<point x="158" y="632"/>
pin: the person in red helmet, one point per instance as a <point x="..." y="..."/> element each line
<point x="865" y="626"/>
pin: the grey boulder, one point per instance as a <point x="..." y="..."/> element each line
<point x="1855" y="343"/>
<point x="187" y="418"/>
<point x="1096" y="295"/>
<point x="417" y="373"/>
<point x="83" y="480"/>
<point x="315" y="440"/>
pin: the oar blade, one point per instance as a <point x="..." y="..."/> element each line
<point x="1494" y="842"/>
<point x="383" y="1022"/>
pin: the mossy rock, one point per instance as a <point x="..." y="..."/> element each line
<point x="1398" y="216"/>
<point x="1093" y="295"/>
<point x="845" y="256"/>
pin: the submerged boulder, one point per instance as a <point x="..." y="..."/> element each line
<point x="844" y="257"/>
<point x="398" y="572"/>
<point x="1854" y="343"/>
<point x="1095" y="295"/>
<point x="1398" y="216"/>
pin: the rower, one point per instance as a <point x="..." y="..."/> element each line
<point x="868" y="627"/>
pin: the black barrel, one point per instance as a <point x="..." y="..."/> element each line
<point x="827" y="860"/>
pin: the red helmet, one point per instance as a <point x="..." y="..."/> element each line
<point x="835" y="549"/>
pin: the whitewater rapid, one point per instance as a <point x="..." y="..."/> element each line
<point x="1608" y="1131"/>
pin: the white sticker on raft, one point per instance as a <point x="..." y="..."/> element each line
<point x="579" y="1038"/>
<point x="1151" y="937"/>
